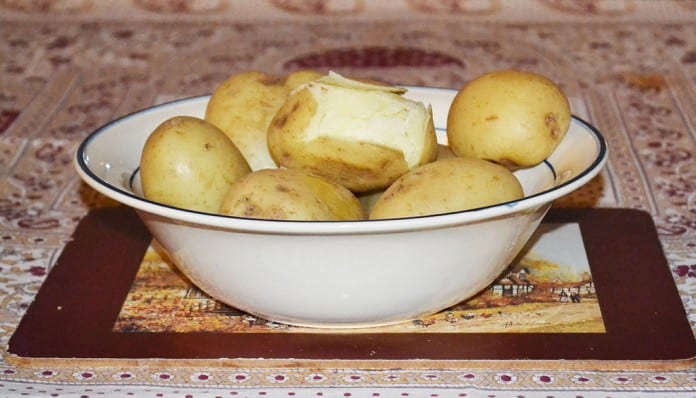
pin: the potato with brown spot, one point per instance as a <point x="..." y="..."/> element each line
<point x="511" y="117"/>
<point x="448" y="185"/>
<point x="369" y="199"/>
<point x="282" y="194"/>
<point x="189" y="163"/>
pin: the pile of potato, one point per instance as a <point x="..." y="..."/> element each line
<point x="325" y="147"/>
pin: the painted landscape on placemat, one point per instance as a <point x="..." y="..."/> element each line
<point x="547" y="289"/>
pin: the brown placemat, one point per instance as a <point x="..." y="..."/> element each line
<point x="74" y="314"/>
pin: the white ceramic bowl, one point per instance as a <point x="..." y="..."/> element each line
<point x="338" y="274"/>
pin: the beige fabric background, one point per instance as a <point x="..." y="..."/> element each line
<point x="69" y="66"/>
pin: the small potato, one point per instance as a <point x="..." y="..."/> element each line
<point x="448" y="185"/>
<point x="510" y="117"/>
<point x="189" y="163"/>
<point x="243" y="106"/>
<point x="282" y="194"/>
<point x="359" y="134"/>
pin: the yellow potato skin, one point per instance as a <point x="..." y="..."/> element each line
<point x="448" y="185"/>
<point x="359" y="166"/>
<point x="300" y="77"/>
<point x="511" y="117"/>
<point x="282" y="194"/>
<point x="243" y="106"/>
<point x="369" y="199"/>
<point x="189" y="163"/>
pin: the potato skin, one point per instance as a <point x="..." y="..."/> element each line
<point x="511" y="117"/>
<point x="448" y="185"/>
<point x="298" y="78"/>
<point x="359" y="166"/>
<point x="243" y="106"/>
<point x="282" y="194"/>
<point x="189" y="163"/>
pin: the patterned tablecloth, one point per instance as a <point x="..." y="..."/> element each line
<point x="69" y="66"/>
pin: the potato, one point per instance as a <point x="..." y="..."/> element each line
<point x="243" y="106"/>
<point x="282" y="194"/>
<point x="298" y="78"/>
<point x="510" y="117"/>
<point x="448" y="185"/>
<point x="189" y="163"/>
<point x="361" y="135"/>
<point x="369" y="199"/>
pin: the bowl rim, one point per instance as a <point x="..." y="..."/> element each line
<point x="303" y="227"/>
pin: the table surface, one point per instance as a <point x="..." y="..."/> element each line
<point x="67" y="67"/>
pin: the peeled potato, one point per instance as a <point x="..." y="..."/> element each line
<point x="189" y="163"/>
<point x="359" y="134"/>
<point x="448" y="185"/>
<point x="282" y="194"/>
<point x="510" y="117"/>
<point x="243" y="106"/>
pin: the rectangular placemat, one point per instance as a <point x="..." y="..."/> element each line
<point x="548" y="289"/>
<point x="87" y="309"/>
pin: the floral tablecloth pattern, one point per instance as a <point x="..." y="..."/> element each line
<point x="69" y="66"/>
